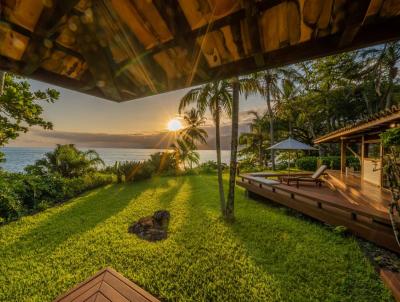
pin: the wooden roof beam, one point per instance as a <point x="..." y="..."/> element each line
<point x="36" y="36"/>
<point x="172" y="14"/>
<point x="368" y="35"/>
<point x="252" y="14"/>
<point x="40" y="46"/>
<point x="357" y="13"/>
<point x="235" y="17"/>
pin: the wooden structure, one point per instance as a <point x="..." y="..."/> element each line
<point x="364" y="136"/>
<point x="127" y="49"/>
<point x="341" y="201"/>
<point x="107" y="286"/>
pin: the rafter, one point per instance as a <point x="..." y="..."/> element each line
<point x="357" y="13"/>
<point x="173" y="15"/>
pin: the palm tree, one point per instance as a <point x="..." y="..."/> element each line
<point x="256" y="138"/>
<point x="288" y="93"/>
<point x="266" y="83"/>
<point x="217" y="98"/>
<point x="234" y="144"/>
<point x="192" y="132"/>
<point x="184" y="153"/>
<point x="381" y="65"/>
<point x="67" y="161"/>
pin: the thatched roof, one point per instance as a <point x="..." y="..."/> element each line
<point x="126" y="49"/>
<point x="378" y="121"/>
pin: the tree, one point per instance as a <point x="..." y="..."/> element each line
<point x="192" y="133"/>
<point x="234" y="144"/>
<point x="20" y="108"/>
<point x="217" y="98"/>
<point x="254" y="142"/>
<point x="266" y="83"/>
<point x="67" y="161"/>
<point x="185" y="153"/>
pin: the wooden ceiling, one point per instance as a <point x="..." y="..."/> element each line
<point x="127" y="49"/>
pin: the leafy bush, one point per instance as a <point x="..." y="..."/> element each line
<point x="135" y="170"/>
<point x="10" y="206"/>
<point x="163" y="162"/>
<point x="332" y="162"/>
<point x="67" y="161"/>
<point x="211" y="167"/>
<point x="25" y="193"/>
<point x="307" y="163"/>
<point x="310" y="163"/>
<point x="391" y="137"/>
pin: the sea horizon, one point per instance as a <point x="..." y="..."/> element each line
<point x="17" y="158"/>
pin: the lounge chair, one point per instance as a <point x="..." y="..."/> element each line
<point x="315" y="178"/>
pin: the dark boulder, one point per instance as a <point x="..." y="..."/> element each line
<point x="152" y="228"/>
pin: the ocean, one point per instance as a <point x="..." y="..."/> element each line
<point x="19" y="157"/>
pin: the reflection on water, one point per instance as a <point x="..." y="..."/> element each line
<point x="18" y="158"/>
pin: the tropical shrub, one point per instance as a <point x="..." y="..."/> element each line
<point x="26" y="193"/>
<point x="310" y="163"/>
<point x="391" y="144"/>
<point x="136" y="170"/>
<point x="67" y="161"/>
<point x="307" y="163"/>
<point x="163" y="162"/>
<point x="10" y="206"/>
<point x="211" y="167"/>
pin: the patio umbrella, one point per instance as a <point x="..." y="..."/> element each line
<point x="289" y="145"/>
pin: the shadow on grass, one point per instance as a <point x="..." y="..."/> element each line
<point x="290" y="256"/>
<point x="74" y="218"/>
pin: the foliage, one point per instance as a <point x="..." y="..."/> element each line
<point x="391" y="142"/>
<point x="211" y="167"/>
<point x="307" y="163"/>
<point x="136" y="170"/>
<point x="20" y="108"/>
<point x="264" y="256"/>
<point x="24" y="194"/>
<point x="313" y="98"/>
<point x="217" y="98"/>
<point x="192" y="133"/>
<point x="255" y="142"/>
<point x="67" y="161"/>
<point x="310" y="163"/>
<point x="184" y="152"/>
<point x="391" y="137"/>
<point x="163" y="162"/>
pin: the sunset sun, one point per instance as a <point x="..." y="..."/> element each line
<point x="174" y="125"/>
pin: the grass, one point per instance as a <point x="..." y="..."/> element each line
<point x="266" y="255"/>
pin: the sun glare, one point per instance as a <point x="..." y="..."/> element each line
<point x="174" y="125"/>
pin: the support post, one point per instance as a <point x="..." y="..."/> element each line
<point x="362" y="156"/>
<point x="342" y="156"/>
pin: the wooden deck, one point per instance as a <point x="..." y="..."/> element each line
<point x="342" y="200"/>
<point x="107" y="286"/>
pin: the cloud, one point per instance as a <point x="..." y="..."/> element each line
<point x="156" y="140"/>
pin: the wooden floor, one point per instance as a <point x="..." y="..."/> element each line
<point x="107" y="286"/>
<point x="342" y="200"/>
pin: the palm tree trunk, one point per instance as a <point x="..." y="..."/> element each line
<point x="218" y="147"/>
<point x="234" y="144"/>
<point x="2" y="78"/>
<point x="271" y="120"/>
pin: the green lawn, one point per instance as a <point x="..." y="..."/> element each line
<point x="266" y="255"/>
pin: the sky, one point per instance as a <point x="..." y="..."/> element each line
<point x="89" y="121"/>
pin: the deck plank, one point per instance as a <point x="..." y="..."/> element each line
<point x="107" y="285"/>
<point x="328" y="205"/>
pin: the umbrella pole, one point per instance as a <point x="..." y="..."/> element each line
<point x="289" y="164"/>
